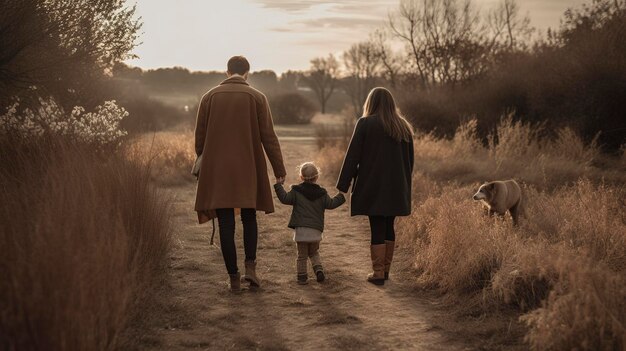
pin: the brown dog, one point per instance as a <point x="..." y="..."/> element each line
<point x="501" y="196"/>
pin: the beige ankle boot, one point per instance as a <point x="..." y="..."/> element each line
<point x="235" y="282"/>
<point x="250" y="275"/>
<point x="390" y="246"/>
<point x="378" y="264"/>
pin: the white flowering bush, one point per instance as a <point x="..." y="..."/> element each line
<point x="100" y="127"/>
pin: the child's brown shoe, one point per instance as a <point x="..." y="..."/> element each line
<point x="302" y="279"/>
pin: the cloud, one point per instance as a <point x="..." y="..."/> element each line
<point x="293" y="5"/>
<point x="305" y="15"/>
<point x="340" y="22"/>
<point x="341" y="7"/>
<point x="373" y="7"/>
<point x="333" y="23"/>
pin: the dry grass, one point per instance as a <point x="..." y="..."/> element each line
<point x="516" y="150"/>
<point x="83" y="243"/>
<point x="170" y="155"/>
<point x="586" y="310"/>
<point x="327" y="160"/>
<point x="563" y="269"/>
<point x="332" y="141"/>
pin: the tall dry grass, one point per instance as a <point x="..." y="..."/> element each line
<point x="170" y="155"/>
<point x="515" y="150"/>
<point x="83" y="244"/>
<point x="563" y="270"/>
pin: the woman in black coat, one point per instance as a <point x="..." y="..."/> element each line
<point x="379" y="164"/>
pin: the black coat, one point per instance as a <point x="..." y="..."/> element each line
<point x="381" y="168"/>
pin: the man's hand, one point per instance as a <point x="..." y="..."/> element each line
<point x="280" y="180"/>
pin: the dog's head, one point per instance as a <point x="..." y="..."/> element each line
<point x="486" y="192"/>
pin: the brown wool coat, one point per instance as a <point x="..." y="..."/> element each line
<point x="233" y="127"/>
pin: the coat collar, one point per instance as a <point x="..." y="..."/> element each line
<point x="235" y="79"/>
<point x="311" y="191"/>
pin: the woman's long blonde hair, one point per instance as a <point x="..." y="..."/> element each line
<point x="380" y="102"/>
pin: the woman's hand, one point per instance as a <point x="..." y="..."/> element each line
<point x="280" y="180"/>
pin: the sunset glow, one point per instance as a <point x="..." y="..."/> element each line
<point x="275" y="34"/>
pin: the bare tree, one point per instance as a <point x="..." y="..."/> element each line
<point x="362" y="63"/>
<point x="508" y="28"/>
<point x="390" y="61"/>
<point x="445" y="40"/>
<point x="322" y="78"/>
<point x="406" y="24"/>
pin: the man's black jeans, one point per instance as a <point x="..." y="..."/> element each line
<point x="226" y="222"/>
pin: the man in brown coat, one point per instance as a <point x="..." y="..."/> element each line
<point x="233" y="127"/>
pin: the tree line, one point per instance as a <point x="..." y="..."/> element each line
<point x="459" y="63"/>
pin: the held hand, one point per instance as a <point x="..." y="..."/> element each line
<point x="280" y="180"/>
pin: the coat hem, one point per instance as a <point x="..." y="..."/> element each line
<point x="207" y="215"/>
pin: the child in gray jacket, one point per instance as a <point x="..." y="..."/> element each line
<point x="309" y="202"/>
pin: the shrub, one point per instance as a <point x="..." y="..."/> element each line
<point x="83" y="243"/>
<point x="292" y="108"/>
<point x="429" y="111"/>
<point x="100" y="128"/>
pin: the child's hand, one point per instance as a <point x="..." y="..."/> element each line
<point x="280" y="180"/>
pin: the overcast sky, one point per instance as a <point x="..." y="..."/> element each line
<point x="275" y="34"/>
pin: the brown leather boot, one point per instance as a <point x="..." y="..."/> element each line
<point x="390" y="246"/>
<point x="378" y="264"/>
<point x="250" y="275"/>
<point x="235" y="282"/>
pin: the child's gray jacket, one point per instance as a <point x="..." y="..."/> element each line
<point x="309" y="202"/>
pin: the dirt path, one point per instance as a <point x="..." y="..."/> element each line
<point x="343" y="313"/>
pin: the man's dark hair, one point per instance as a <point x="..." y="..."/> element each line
<point x="238" y="65"/>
